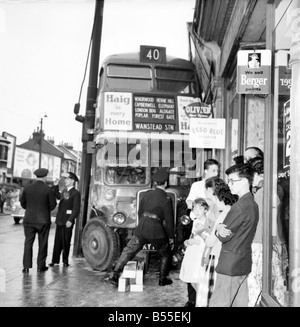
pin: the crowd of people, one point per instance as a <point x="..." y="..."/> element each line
<point x="222" y="262"/>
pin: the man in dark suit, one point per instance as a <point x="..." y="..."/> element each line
<point x="154" y="210"/>
<point x="236" y="234"/>
<point x="38" y="199"/>
<point x="68" y="210"/>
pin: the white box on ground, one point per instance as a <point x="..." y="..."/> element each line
<point x="129" y="270"/>
<point x="136" y="288"/>
<point x="123" y="284"/>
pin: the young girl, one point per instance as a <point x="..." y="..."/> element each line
<point x="191" y="264"/>
<point x="218" y="191"/>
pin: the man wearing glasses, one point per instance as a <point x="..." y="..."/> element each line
<point x="236" y="234"/>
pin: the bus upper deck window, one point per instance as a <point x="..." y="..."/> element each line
<point x="129" y="71"/>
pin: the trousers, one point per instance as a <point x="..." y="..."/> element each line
<point x="30" y="231"/>
<point x="230" y="291"/>
<point x="62" y="243"/>
<point x="136" y="244"/>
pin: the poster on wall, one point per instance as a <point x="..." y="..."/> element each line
<point x="254" y="72"/>
<point x="27" y="161"/>
<point x="118" y="111"/>
<point x="207" y="133"/>
<point x="188" y="108"/>
<point x="287" y="136"/>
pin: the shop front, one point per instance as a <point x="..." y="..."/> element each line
<point x="261" y="108"/>
<point x="281" y="259"/>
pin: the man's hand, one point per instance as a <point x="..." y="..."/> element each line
<point x="222" y="230"/>
<point x="68" y="224"/>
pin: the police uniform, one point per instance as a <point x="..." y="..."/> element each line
<point x="68" y="210"/>
<point x="155" y="210"/>
<point x="38" y="200"/>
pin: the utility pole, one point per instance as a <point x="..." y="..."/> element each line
<point x="88" y="126"/>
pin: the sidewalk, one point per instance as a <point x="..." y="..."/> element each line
<point x="74" y="286"/>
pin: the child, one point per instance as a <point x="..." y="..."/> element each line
<point x="191" y="264"/>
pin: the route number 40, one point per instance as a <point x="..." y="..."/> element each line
<point x="152" y="54"/>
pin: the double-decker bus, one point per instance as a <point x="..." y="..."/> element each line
<point x="144" y="104"/>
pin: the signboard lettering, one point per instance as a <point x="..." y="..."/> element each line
<point x="207" y="133"/>
<point x="118" y="111"/>
<point x="154" y="113"/>
<point x="254" y="72"/>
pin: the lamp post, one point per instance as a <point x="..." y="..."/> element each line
<point x="41" y="139"/>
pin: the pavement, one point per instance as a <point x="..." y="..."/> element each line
<point x="75" y="286"/>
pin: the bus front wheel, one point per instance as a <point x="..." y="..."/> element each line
<point x="100" y="245"/>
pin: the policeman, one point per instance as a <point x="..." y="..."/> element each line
<point x="68" y="210"/>
<point x="154" y="210"/>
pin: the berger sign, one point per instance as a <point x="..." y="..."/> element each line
<point x="254" y="72"/>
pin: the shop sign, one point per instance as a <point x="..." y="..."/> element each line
<point x="191" y="108"/>
<point x="285" y="78"/>
<point x="282" y="58"/>
<point x="254" y="72"/>
<point x="207" y="133"/>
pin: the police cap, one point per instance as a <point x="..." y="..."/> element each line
<point x="41" y="172"/>
<point x="161" y="176"/>
<point x="73" y="176"/>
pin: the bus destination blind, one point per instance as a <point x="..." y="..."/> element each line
<point x="154" y="113"/>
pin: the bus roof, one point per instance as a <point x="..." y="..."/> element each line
<point x="134" y="58"/>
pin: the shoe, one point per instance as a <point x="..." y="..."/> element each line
<point x="25" y="270"/>
<point x="190" y="304"/>
<point x="52" y="264"/>
<point x="43" y="269"/>
<point x="165" y="281"/>
<point x="66" y="264"/>
<point x="112" y="278"/>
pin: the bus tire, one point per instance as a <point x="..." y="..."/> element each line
<point x="100" y="245"/>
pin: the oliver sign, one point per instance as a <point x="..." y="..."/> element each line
<point x="254" y="72"/>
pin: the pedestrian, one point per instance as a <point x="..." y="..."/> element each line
<point x="2" y="198"/>
<point x="155" y="211"/>
<point x="38" y="200"/>
<point x="68" y="210"/>
<point x="211" y="168"/>
<point x="191" y="268"/>
<point x="279" y="246"/>
<point x="236" y="234"/>
<point x="219" y="192"/>
<point x="253" y="152"/>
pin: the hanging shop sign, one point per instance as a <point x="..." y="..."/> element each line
<point x="207" y="133"/>
<point x="191" y="108"/>
<point x="254" y="72"/>
<point x="282" y="59"/>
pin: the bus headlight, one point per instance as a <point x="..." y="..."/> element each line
<point x="185" y="219"/>
<point x="119" y="218"/>
<point x="109" y="195"/>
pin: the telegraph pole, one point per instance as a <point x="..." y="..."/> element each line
<point x="88" y="126"/>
